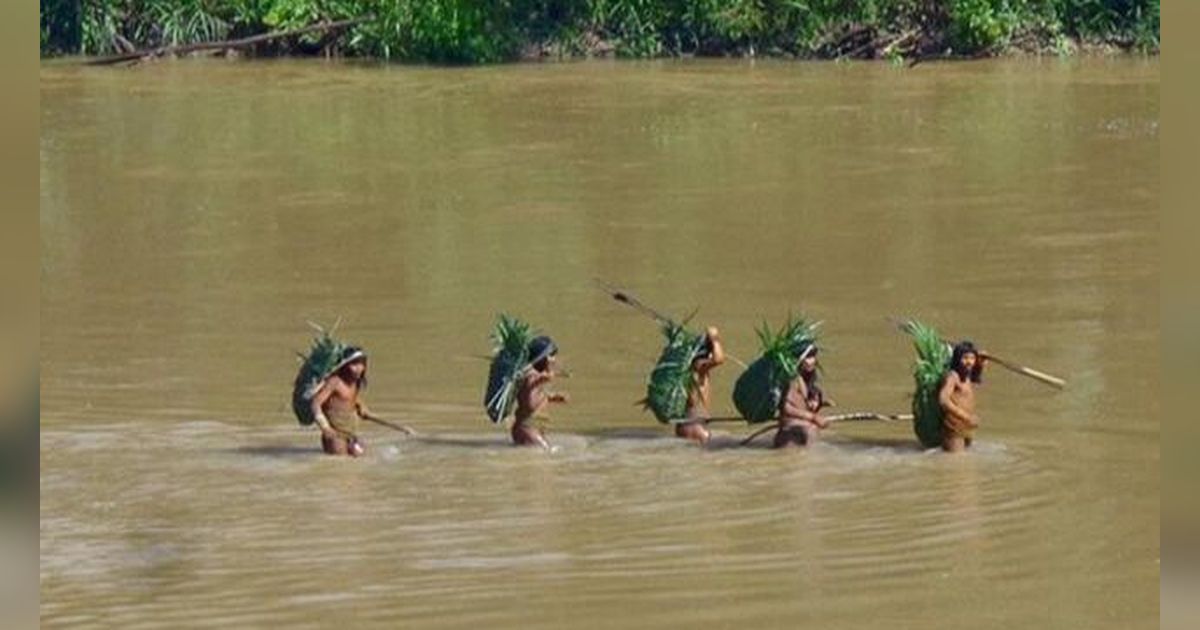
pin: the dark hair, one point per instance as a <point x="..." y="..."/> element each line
<point x="541" y="348"/>
<point x="810" y="379"/>
<point x="962" y="349"/>
<point x="348" y="355"/>
<point x="705" y="351"/>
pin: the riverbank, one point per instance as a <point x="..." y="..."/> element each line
<point x="468" y="32"/>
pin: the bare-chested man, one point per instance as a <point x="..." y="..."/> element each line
<point x="957" y="397"/>
<point x="800" y="420"/>
<point x="336" y="405"/>
<point x="531" y="397"/>
<point x="695" y="426"/>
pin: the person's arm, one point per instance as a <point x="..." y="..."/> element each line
<point x="794" y="405"/>
<point x="946" y="400"/>
<point x="324" y="391"/>
<point x="531" y="391"/>
<point x="718" y="351"/>
<point x="366" y="414"/>
<point x="812" y="415"/>
<point x="535" y="378"/>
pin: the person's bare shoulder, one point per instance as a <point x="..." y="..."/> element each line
<point x="530" y="379"/>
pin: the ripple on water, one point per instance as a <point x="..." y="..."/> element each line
<point x="209" y="515"/>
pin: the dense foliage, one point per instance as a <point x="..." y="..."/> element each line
<point x="760" y="388"/>
<point x="510" y="359"/>
<point x="933" y="361"/>
<point x="672" y="379"/>
<point x="315" y="367"/>
<point x="480" y="31"/>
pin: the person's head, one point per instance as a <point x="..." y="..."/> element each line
<point x="352" y="366"/>
<point x="964" y="360"/>
<point x="542" y="352"/>
<point x="806" y="353"/>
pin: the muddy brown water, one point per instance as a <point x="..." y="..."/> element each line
<point x="194" y="215"/>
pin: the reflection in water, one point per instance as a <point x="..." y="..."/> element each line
<point x="194" y="215"/>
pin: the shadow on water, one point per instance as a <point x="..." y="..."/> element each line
<point x="626" y="433"/>
<point x="648" y="436"/>
<point x="466" y="442"/>
<point x="276" y="450"/>
<point x="897" y="444"/>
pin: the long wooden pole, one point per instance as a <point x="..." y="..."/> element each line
<point x="626" y="298"/>
<point x="391" y="425"/>
<point x="841" y="417"/>
<point x="1042" y="377"/>
<point x="1048" y="379"/>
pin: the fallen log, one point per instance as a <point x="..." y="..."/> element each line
<point x="245" y="42"/>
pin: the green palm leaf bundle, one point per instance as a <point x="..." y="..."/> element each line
<point x="933" y="361"/>
<point x="510" y="358"/>
<point x="672" y="378"/>
<point x="761" y="387"/>
<point x="315" y="367"/>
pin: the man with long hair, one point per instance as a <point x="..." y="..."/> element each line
<point x="336" y="405"/>
<point x="957" y="396"/>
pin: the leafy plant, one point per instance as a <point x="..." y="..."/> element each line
<point x="485" y="31"/>
<point x="672" y="379"/>
<point x="315" y="367"/>
<point x="510" y="358"/>
<point x="933" y="361"/>
<point x="980" y="25"/>
<point x="760" y="388"/>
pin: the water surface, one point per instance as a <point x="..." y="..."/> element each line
<point x="194" y="215"/>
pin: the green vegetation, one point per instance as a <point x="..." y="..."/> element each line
<point x="933" y="361"/>
<point x="315" y="367"/>
<point x="759" y="390"/>
<point x="510" y="359"/>
<point x="482" y="31"/>
<point x="672" y="378"/>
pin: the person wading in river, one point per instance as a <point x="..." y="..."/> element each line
<point x="957" y="397"/>
<point x="336" y="405"/>
<point x="695" y="426"/>
<point x="800" y="420"/>
<point x="532" y="399"/>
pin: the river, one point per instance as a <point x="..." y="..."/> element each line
<point x="194" y="215"/>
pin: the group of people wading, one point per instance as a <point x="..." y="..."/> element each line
<point x="334" y="403"/>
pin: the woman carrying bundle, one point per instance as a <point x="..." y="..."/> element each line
<point x="800" y="420"/>
<point x="781" y="385"/>
<point x="957" y="397"/>
<point x="944" y="401"/>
